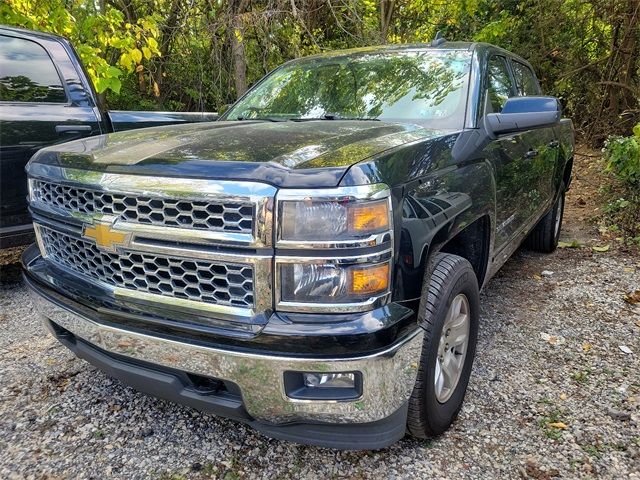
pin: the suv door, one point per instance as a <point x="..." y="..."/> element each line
<point x="542" y="148"/>
<point x="35" y="112"/>
<point x="509" y="157"/>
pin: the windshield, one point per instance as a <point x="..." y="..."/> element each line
<point x="427" y="87"/>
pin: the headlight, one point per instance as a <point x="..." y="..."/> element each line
<point x="340" y="220"/>
<point x="341" y="217"/>
<point x="332" y="283"/>
<point x="309" y="219"/>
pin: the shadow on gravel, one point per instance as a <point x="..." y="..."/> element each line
<point x="10" y="268"/>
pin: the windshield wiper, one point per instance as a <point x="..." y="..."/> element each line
<point x="337" y="116"/>
<point x="327" y="116"/>
<point x="263" y="119"/>
<point x="333" y="116"/>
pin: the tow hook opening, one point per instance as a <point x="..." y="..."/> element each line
<point x="62" y="334"/>
<point x="206" y="385"/>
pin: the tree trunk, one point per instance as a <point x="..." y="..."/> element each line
<point x="619" y="108"/>
<point x="235" y="29"/>
<point x="236" y="38"/>
<point x="629" y="56"/>
<point x="386" y="14"/>
<point x="167" y="32"/>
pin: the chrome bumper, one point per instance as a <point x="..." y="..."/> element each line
<point x="388" y="376"/>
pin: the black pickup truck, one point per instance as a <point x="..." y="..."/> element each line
<point x="46" y="99"/>
<point x="310" y="263"/>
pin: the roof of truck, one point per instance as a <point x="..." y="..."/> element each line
<point x="27" y="32"/>
<point x="479" y="47"/>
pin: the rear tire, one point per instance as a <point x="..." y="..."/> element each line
<point x="545" y="235"/>
<point x="443" y="375"/>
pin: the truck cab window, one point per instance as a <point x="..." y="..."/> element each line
<point x="525" y="81"/>
<point x="27" y="73"/>
<point x="500" y="86"/>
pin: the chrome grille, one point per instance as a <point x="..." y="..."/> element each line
<point x="199" y="280"/>
<point x="193" y="214"/>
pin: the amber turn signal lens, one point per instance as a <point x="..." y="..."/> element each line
<point x="369" y="217"/>
<point x="370" y="279"/>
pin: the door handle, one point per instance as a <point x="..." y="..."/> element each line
<point x="72" y="128"/>
<point x="553" y="144"/>
<point x="531" y="154"/>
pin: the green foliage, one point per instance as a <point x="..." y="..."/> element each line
<point x="616" y="206"/>
<point x="622" y="205"/>
<point x="622" y="155"/>
<point x="201" y="54"/>
<point x="109" y="46"/>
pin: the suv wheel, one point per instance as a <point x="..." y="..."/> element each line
<point x="545" y="235"/>
<point x="449" y="313"/>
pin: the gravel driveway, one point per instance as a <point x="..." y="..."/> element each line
<point x="552" y="394"/>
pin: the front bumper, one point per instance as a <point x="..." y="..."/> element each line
<point x="154" y="364"/>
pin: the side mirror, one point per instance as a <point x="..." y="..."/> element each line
<point x="524" y="113"/>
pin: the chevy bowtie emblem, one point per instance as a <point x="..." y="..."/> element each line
<point x="106" y="237"/>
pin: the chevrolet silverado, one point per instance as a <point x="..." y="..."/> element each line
<point x="310" y="264"/>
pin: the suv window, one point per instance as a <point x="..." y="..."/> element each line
<point x="500" y="85"/>
<point x="525" y="80"/>
<point x="27" y="73"/>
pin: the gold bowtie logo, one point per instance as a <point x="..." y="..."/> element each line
<point x="106" y="237"/>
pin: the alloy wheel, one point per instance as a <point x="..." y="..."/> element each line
<point x="452" y="349"/>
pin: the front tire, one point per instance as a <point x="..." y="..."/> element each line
<point x="449" y="313"/>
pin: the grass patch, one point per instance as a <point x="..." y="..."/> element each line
<point x="552" y="424"/>
<point x="594" y="450"/>
<point x="171" y="476"/>
<point x="581" y="376"/>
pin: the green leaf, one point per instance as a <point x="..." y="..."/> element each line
<point x="115" y="85"/>
<point x="125" y="59"/>
<point x="636" y="130"/>
<point x="101" y="84"/>
<point x="603" y="248"/>
<point x="572" y="244"/>
<point x="136" y="55"/>
<point x="113" y="71"/>
<point x="146" y="52"/>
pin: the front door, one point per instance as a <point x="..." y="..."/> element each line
<point x="542" y="151"/>
<point x="510" y="157"/>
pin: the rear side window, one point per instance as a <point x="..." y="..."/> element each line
<point x="27" y="73"/>
<point x="525" y="80"/>
<point x="500" y="86"/>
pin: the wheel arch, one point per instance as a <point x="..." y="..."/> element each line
<point x="451" y="210"/>
<point x="469" y="239"/>
<point x="566" y="176"/>
<point x="473" y="243"/>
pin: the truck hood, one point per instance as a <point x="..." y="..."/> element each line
<point x="284" y="154"/>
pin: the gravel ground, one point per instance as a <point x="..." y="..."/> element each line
<point x="552" y="394"/>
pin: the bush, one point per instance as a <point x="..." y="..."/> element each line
<point x="622" y="155"/>
<point x="622" y="207"/>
